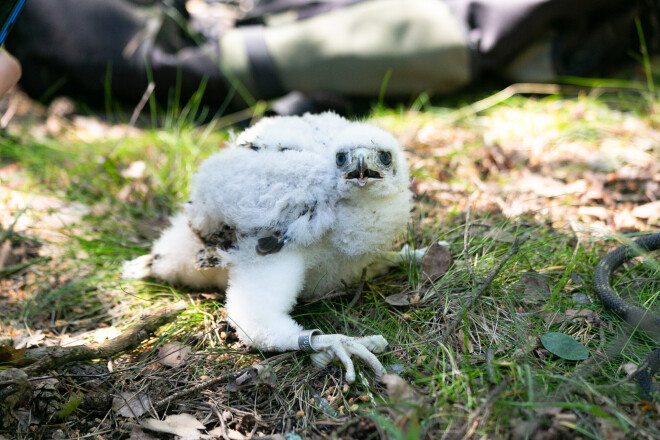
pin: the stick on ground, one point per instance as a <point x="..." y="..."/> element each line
<point x="131" y="338"/>
<point x="483" y="286"/>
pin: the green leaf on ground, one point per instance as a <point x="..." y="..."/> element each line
<point x="564" y="346"/>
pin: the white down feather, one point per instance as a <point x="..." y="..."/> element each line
<point x="268" y="190"/>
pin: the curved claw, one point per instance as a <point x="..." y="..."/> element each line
<point x="342" y="348"/>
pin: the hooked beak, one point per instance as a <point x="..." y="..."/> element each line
<point x="362" y="180"/>
<point x="361" y="174"/>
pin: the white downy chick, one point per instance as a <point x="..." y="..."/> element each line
<point x="291" y="208"/>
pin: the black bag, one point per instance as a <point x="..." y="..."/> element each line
<point x="100" y="49"/>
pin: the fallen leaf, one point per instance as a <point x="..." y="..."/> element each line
<point x="650" y="211"/>
<point x="235" y="435"/>
<point x="398" y="388"/>
<point x="29" y="340"/>
<point x="629" y="368"/>
<point x="535" y="286"/>
<point x="624" y="219"/>
<point x="552" y="318"/>
<point x="436" y="262"/>
<point x="407" y="403"/>
<point x="399" y="299"/>
<point x="130" y="404"/>
<point x="14" y="356"/>
<point x="184" y="425"/>
<point x="139" y="434"/>
<point x="564" y="346"/>
<point x="585" y="315"/>
<point x="173" y="355"/>
<point x="594" y="211"/>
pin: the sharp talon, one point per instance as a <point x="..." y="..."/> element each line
<point x="344" y="349"/>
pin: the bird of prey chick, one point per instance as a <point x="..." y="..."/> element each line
<point x="292" y="208"/>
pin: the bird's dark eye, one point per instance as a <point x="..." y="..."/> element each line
<point x="385" y="157"/>
<point x="341" y="159"/>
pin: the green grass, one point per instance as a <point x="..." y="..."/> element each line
<point x="456" y="381"/>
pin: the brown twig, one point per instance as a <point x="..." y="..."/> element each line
<point x="358" y="292"/>
<point x="131" y="338"/>
<point x="483" y="286"/>
<point x="223" y="424"/>
<point x="211" y="382"/>
<point x="328" y="296"/>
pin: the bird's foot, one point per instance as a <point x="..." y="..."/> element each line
<point x="414" y="255"/>
<point x="342" y="348"/>
<point x="138" y="268"/>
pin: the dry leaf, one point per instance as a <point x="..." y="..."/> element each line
<point x="173" y="355"/>
<point x="552" y="318"/>
<point x="130" y="404"/>
<point x="29" y="340"/>
<point x="398" y="388"/>
<point x="594" y="211"/>
<point x="13" y="356"/>
<point x="235" y="435"/>
<point x="585" y="315"/>
<point x="629" y="368"/>
<point x="139" y="434"/>
<point x="535" y="282"/>
<point x="436" y="262"/>
<point x="232" y="434"/>
<point x="399" y="299"/>
<point x="535" y="286"/>
<point x="184" y="425"/>
<point x="650" y="211"/>
<point x="408" y="402"/>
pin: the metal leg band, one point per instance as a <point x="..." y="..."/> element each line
<point x="305" y="340"/>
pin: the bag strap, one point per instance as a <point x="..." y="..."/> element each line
<point x="262" y="67"/>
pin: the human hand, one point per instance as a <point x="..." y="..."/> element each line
<point x="10" y="72"/>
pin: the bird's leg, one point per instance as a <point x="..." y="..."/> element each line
<point x="340" y="347"/>
<point x="390" y="259"/>
<point x="173" y="259"/>
<point x="260" y="297"/>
